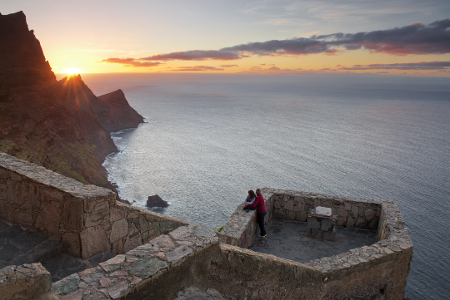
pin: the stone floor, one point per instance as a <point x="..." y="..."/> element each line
<point x="197" y="293"/>
<point x="286" y="239"/>
<point x="19" y="246"/>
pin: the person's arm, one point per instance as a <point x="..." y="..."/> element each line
<point x="255" y="203"/>
<point x="251" y="202"/>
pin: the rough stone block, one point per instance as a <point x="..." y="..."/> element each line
<point x="316" y="233"/>
<point x="118" y="290"/>
<point x="117" y="247"/>
<point x="327" y="225"/>
<point x="153" y="230"/>
<point x="93" y="241"/>
<point x="350" y="222"/>
<point x="97" y="215"/>
<point x="143" y="224"/>
<point x="66" y="285"/>
<point x="179" y="253"/>
<point x="355" y="211"/>
<point x="35" y="195"/>
<point x="23" y="216"/>
<point x="369" y="214"/>
<point x="49" y="219"/>
<point x="298" y="207"/>
<point x="117" y="213"/>
<point x="361" y="223"/>
<point x="29" y="280"/>
<point x="289" y="205"/>
<point x="167" y="227"/>
<point x="342" y="212"/>
<point x="119" y="230"/>
<point x="148" y="267"/>
<point x="163" y="242"/>
<point x="132" y="242"/>
<point x="361" y="210"/>
<point x="291" y="215"/>
<point x="72" y="214"/>
<point x="52" y="195"/>
<point x="4" y="174"/>
<point x="11" y="193"/>
<point x="313" y="223"/>
<point x="374" y="223"/>
<point x="110" y="265"/>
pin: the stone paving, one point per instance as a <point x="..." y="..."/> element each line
<point x="287" y="239"/>
<point x="19" y="246"/>
<point x="23" y="246"/>
<point x="64" y="265"/>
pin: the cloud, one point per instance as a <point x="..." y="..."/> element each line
<point x="197" y="69"/>
<point x="131" y="62"/>
<point x="195" y="55"/>
<point x="272" y="70"/>
<point x="416" y="38"/>
<point x="229" y="66"/>
<point x="420" y="66"/>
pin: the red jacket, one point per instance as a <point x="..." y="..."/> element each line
<point x="259" y="200"/>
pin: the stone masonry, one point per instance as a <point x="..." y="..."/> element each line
<point x="379" y="270"/>
<point x="86" y="218"/>
<point x="159" y="256"/>
<point x="24" y="282"/>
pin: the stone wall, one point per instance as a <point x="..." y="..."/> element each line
<point x="86" y="218"/>
<point x="156" y="270"/>
<point x="377" y="271"/>
<point x="349" y="211"/>
<point x="25" y="282"/>
<point x="241" y="228"/>
<point x="246" y="274"/>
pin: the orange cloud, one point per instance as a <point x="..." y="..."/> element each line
<point x="131" y="62"/>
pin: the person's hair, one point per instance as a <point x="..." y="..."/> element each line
<point x="251" y="194"/>
<point x="258" y="192"/>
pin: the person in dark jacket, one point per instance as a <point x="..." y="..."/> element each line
<point x="260" y="211"/>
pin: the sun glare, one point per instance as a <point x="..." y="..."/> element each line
<point x="72" y="71"/>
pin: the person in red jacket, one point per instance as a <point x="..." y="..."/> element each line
<point x="260" y="211"/>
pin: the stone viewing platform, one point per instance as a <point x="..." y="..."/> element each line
<point x="288" y="239"/>
<point x="157" y="257"/>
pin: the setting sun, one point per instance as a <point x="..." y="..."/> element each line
<point x="72" y="71"/>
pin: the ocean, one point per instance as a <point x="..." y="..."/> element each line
<point x="208" y="138"/>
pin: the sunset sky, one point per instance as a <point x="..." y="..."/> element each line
<point x="385" y="37"/>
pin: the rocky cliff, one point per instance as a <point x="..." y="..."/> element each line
<point x="61" y="125"/>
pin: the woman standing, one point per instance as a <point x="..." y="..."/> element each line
<point x="261" y="211"/>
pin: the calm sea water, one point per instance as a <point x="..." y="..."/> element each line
<point x="210" y="138"/>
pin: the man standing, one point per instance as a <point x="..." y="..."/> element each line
<point x="261" y="211"/>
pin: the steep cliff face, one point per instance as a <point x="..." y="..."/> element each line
<point x="60" y="125"/>
<point x="115" y="113"/>
<point x="22" y="62"/>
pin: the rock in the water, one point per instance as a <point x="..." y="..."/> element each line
<point x="156" y="201"/>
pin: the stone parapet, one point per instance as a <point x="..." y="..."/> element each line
<point x="378" y="270"/>
<point x="246" y="274"/>
<point x="86" y="218"/>
<point x="349" y="211"/>
<point x="241" y="227"/>
<point x="24" y="282"/>
<point x="155" y="270"/>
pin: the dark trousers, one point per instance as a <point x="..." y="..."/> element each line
<point x="260" y="219"/>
